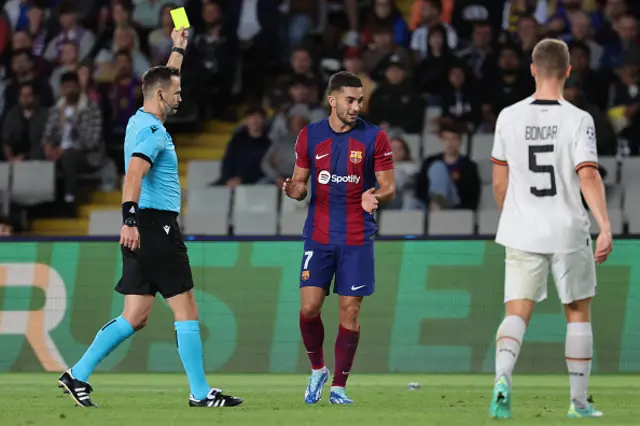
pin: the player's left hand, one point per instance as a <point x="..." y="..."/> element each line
<point x="369" y="201"/>
<point x="180" y="37"/>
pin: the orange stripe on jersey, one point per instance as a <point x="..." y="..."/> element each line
<point x="498" y="162"/>
<point x="587" y="164"/>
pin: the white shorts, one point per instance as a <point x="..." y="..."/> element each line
<point x="526" y="275"/>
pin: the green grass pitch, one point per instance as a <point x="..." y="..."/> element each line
<point x="273" y="399"/>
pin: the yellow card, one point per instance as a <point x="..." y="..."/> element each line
<point x="180" y="19"/>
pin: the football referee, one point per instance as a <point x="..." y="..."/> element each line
<point x="154" y="256"/>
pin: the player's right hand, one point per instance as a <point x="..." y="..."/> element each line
<point x="129" y="237"/>
<point x="369" y="201"/>
<point x="293" y="189"/>
<point x="603" y="247"/>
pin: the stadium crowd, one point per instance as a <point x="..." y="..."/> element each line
<point x="71" y="78"/>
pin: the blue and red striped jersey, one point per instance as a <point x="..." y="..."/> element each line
<point x="343" y="166"/>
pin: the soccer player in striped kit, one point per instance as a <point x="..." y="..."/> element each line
<point x="340" y="160"/>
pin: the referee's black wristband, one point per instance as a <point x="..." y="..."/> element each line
<point x="130" y="213"/>
<point x="179" y="50"/>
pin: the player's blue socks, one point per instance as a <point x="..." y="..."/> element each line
<point x="190" y="350"/>
<point x="108" y="338"/>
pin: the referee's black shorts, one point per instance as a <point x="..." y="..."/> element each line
<point x="161" y="264"/>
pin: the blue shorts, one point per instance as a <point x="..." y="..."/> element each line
<point x="352" y="267"/>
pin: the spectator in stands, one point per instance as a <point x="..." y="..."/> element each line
<point x="593" y="84"/>
<point x="613" y="10"/>
<point x="301" y="65"/>
<point x="449" y="180"/>
<point x="561" y="22"/>
<point x="528" y="36"/>
<point x="353" y="63"/>
<point x="87" y="87"/>
<point x="581" y="30"/>
<point x="378" y="53"/>
<point x="71" y="30"/>
<point x="68" y="62"/>
<point x="459" y="100"/>
<point x="416" y="13"/>
<point x="119" y="15"/>
<point x="278" y="162"/>
<point x="385" y="13"/>
<point x="431" y="17"/>
<point x="405" y="170"/>
<point x="605" y="136"/>
<point x="123" y="40"/>
<point x="395" y="103"/>
<point x="37" y="29"/>
<point x="17" y="13"/>
<point x="626" y="43"/>
<point x="22" y="66"/>
<point x="626" y="98"/>
<point x="216" y="47"/>
<point x="23" y="126"/>
<point x="21" y="40"/>
<point x="6" y="227"/>
<point x="515" y="10"/>
<point x="256" y="26"/>
<point x="73" y="136"/>
<point x="510" y="84"/>
<point x="466" y="13"/>
<point x="479" y="56"/>
<point x="125" y="95"/>
<point x="243" y="157"/>
<point x="431" y="74"/>
<point x="303" y="16"/>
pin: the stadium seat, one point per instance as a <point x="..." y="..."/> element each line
<point x="255" y="223"/>
<point x="630" y="171"/>
<point x="632" y="208"/>
<point x="5" y="193"/>
<point x="481" y="146"/>
<point x="105" y="222"/>
<point x="614" y="196"/>
<point x="615" y="217"/>
<point x="451" y="222"/>
<point x="290" y="205"/>
<point x="255" y="199"/>
<point x="216" y="199"/>
<point x="485" y="170"/>
<point x="201" y="173"/>
<point x="488" y="222"/>
<point x="487" y="202"/>
<point x="205" y="223"/>
<point x="429" y="114"/>
<point x="33" y="182"/>
<point x="610" y="164"/>
<point x="415" y="145"/>
<point x="292" y="222"/>
<point x="402" y="222"/>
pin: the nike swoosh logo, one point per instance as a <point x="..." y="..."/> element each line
<point x="354" y="288"/>
<point x="320" y="156"/>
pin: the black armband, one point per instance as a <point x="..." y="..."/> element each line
<point x="130" y="213"/>
<point x="178" y="50"/>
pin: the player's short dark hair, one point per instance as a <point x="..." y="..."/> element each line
<point x="342" y="79"/>
<point x="69" y="77"/>
<point x="551" y="58"/>
<point x="158" y="76"/>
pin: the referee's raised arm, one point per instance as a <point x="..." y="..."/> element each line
<point x="147" y="136"/>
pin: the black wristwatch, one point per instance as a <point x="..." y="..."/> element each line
<point x="178" y="50"/>
<point x="130" y="221"/>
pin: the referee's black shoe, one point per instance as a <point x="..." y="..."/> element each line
<point x="215" y="399"/>
<point x="78" y="390"/>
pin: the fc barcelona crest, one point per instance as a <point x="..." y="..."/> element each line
<point x="305" y="275"/>
<point x="355" y="157"/>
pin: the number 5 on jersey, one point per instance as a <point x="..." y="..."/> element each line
<point x="537" y="168"/>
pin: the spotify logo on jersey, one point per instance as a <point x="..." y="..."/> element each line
<point x="324" y="177"/>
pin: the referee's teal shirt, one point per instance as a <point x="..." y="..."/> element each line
<point x="147" y="138"/>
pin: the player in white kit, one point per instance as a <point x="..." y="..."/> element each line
<point x="544" y="155"/>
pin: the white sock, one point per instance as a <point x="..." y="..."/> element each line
<point x="578" y="352"/>
<point x="320" y="371"/>
<point x="508" y="342"/>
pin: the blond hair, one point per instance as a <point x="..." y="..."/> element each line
<point x="551" y="58"/>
